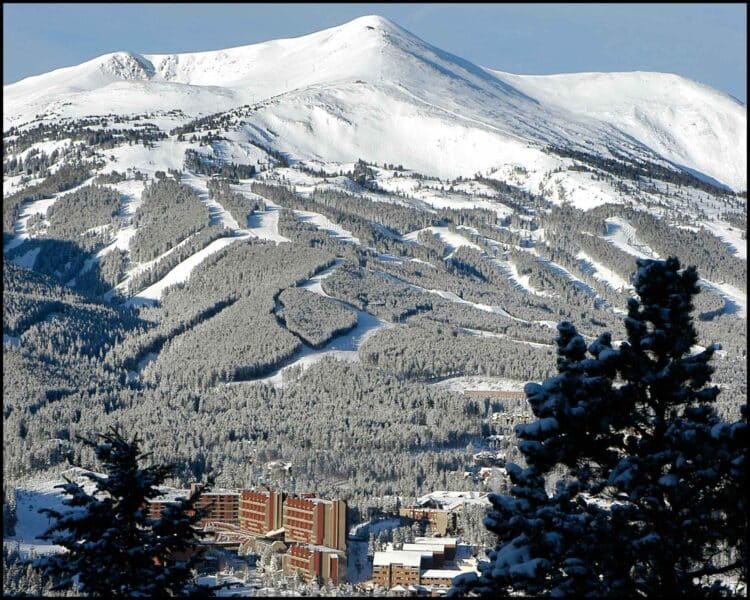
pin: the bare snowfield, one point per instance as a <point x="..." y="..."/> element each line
<point x="665" y="112"/>
<point x="622" y="235"/>
<point x="264" y="225"/>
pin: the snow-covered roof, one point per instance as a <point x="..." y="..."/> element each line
<point x="327" y="549"/>
<point x="171" y="494"/>
<point x="399" y="557"/>
<point x="441" y="573"/>
<point x="221" y="492"/>
<point x="447" y="541"/>
<point x="453" y="499"/>
<point x="424" y="547"/>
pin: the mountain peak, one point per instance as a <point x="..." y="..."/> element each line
<point x="328" y="76"/>
<point x="126" y="65"/>
<point x="372" y="21"/>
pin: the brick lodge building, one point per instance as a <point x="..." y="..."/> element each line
<point x="221" y="505"/>
<point x="260" y="511"/>
<point x="441" y="508"/>
<point x="313" y="529"/>
<point x="417" y="564"/>
<point x="315" y="521"/>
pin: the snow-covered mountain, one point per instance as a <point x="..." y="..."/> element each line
<point x="688" y="123"/>
<point x="303" y="251"/>
<point x="371" y="89"/>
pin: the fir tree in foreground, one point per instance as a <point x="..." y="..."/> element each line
<point x="653" y="502"/>
<point x="113" y="549"/>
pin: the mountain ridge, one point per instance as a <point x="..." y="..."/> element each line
<point x="652" y="122"/>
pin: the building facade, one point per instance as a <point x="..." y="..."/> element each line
<point x="419" y="564"/>
<point x="223" y="506"/>
<point x="309" y="532"/>
<point x="441" y="521"/>
<point x="220" y="505"/>
<point x="440" y="577"/>
<point x="398" y="567"/>
<point x="260" y="511"/>
<point x="315" y="521"/>
<point x="315" y="562"/>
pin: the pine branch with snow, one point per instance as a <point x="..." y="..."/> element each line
<point x="113" y="548"/>
<point x="652" y="502"/>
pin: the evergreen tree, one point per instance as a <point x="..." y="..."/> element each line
<point x="9" y="510"/>
<point x="652" y="502"/>
<point x="113" y="548"/>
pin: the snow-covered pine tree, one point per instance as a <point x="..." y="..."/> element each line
<point x="113" y="548"/>
<point x="652" y="502"/>
<point x="9" y="509"/>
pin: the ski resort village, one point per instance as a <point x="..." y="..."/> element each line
<point x="346" y="314"/>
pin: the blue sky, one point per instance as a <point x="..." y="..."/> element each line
<point x="707" y="43"/>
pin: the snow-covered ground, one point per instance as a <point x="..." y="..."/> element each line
<point x="735" y="300"/>
<point x="560" y="270"/>
<point x="342" y="347"/>
<point x="265" y="225"/>
<point x="731" y="236"/>
<point x="482" y="333"/>
<point x="145" y="266"/>
<point x="370" y="89"/>
<point x="37" y="207"/>
<point x="522" y="282"/>
<point x="453" y="201"/>
<point x="359" y="566"/>
<point x="688" y="123"/>
<point x="624" y="236"/>
<point x="27" y="259"/>
<point x="218" y="215"/>
<point x="483" y="382"/>
<point x="30" y="497"/>
<point x="162" y="156"/>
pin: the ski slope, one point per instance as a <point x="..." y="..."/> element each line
<point x="623" y="235"/>
<point x="450" y="238"/>
<point x="181" y="272"/>
<point x="342" y="347"/>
